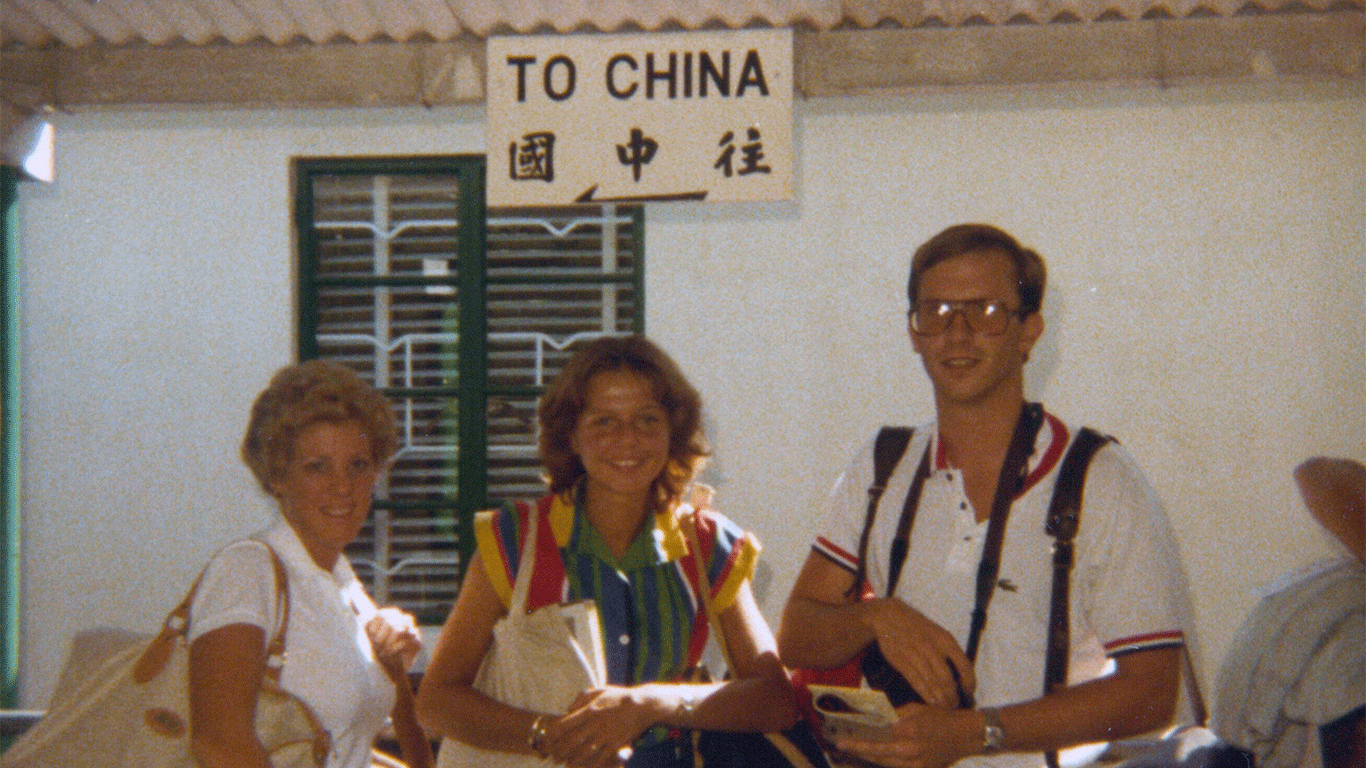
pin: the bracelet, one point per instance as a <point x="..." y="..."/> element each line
<point x="537" y="735"/>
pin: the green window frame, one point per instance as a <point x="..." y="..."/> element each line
<point x="9" y="436"/>
<point x="460" y="314"/>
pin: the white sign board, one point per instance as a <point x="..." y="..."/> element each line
<point x="674" y="116"/>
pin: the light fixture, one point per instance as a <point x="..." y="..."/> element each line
<point x="26" y="141"/>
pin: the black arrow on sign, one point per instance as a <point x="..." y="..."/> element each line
<point x="588" y="197"/>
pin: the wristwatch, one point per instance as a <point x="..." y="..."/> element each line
<point x="535" y="738"/>
<point x="993" y="734"/>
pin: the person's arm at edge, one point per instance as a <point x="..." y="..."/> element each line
<point x="227" y="665"/>
<point x="1334" y="490"/>
<point x="447" y="702"/>
<point x="1138" y="698"/>
<point x="396" y="643"/>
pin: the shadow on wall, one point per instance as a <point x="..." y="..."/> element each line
<point x="1044" y="358"/>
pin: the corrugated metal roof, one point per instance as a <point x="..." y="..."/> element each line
<point x="124" y="23"/>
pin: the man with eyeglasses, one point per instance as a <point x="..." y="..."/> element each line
<point x="975" y="295"/>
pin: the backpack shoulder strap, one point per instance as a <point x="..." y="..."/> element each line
<point x="890" y="444"/>
<point x="1064" y="515"/>
<point x="1064" y="510"/>
<point x="888" y="448"/>
<point x="901" y="543"/>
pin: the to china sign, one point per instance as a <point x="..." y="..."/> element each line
<point x="602" y="118"/>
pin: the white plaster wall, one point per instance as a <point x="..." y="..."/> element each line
<point x="1206" y="287"/>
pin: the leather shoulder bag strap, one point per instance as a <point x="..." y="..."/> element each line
<point x="1064" y="515"/>
<point x="786" y="746"/>
<point x="275" y="652"/>
<point x="888" y="448"/>
<point x="177" y="626"/>
<point x="1008" y="485"/>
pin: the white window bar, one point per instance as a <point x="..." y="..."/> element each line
<point x="385" y="231"/>
<point x="380" y="212"/>
<point x="608" y="219"/>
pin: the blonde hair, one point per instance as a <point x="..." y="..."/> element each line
<point x="305" y="394"/>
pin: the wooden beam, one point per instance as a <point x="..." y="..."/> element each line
<point x="1325" y="46"/>
<point x="1288" y="46"/>
<point x="1158" y="51"/>
<point x="255" y="75"/>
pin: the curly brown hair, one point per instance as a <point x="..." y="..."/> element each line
<point x="305" y="394"/>
<point x="563" y="402"/>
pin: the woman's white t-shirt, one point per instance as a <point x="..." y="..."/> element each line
<point x="329" y="663"/>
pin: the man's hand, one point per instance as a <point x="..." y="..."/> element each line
<point x="922" y="651"/>
<point x="825" y="625"/>
<point x="923" y="737"/>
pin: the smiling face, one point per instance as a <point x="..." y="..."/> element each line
<point x="968" y="367"/>
<point x="621" y="437"/>
<point x="326" y="487"/>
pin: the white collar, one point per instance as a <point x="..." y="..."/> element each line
<point x="282" y="538"/>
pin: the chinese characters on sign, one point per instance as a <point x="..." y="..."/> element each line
<point x="750" y="154"/>
<point x="642" y="151"/>
<point x="533" y="158"/>
<point x="699" y="115"/>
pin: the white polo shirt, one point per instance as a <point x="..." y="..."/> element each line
<point x="1128" y="591"/>
<point x="328" y="662"/>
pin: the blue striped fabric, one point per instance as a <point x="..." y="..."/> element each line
<point x="645" y="599"/>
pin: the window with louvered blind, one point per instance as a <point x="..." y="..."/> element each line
<point x="460" y="315"/>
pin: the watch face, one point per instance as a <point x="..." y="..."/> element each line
<point x="993" y="737"/>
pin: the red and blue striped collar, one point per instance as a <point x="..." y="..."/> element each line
<point x="1048" y="449"/>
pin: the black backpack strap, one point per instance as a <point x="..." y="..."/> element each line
<point x="1008" y="484"/>
<point x="901" y="544"/>
<point x="888" y="452"/>
<point x="1064" y="515"/>
<point x="888" y="448"/>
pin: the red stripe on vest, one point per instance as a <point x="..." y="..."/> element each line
<point x="548" y="578"/>
<point x="701" y="627"/>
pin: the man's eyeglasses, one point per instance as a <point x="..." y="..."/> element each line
<point x="931" y="318"/>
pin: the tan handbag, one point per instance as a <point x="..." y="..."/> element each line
<point x="123" y="700"/>
<point x="534" y="663"/>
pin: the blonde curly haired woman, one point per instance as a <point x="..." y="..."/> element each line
<point x="317" y="440"/>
